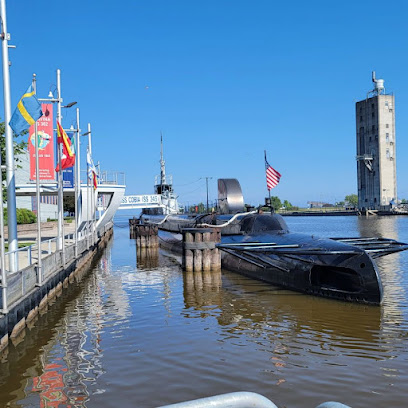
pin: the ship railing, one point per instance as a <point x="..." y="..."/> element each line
<point x="107" y="177"/>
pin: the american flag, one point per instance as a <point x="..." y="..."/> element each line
<point x="272" y="176"/>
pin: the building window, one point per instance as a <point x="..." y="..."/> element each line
<point x="373" y="129"/>
<point x="372" y="106"/>
<point x="387" y="137"/>
<point x="372" y="114"/>
<point x="386" y="103"/>
<point x="387" y="153"/>
<point x="361" y="118"/>
<point x="369" y="139"/>
<point x="387" y="125"/>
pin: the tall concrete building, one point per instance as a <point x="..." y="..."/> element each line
<point x="376" y="159"/>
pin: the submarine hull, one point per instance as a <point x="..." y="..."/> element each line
<point x="339" y="272"/>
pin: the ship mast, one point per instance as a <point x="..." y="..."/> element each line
<point x="162" y="163"/>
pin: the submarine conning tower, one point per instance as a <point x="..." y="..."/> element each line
<point x="230" y="198"/>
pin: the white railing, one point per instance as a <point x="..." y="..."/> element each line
<point x="18" y="284"/>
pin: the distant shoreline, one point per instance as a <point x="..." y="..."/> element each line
<point x="334" y="213"/>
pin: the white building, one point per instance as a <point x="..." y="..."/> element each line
<point x="49" y="207"/>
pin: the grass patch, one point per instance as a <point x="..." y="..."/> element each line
<point x="20" y="244"/>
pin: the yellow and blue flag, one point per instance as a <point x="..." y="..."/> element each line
<point x="27" y="112"/>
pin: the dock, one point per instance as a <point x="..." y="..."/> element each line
<point x="29" y="291"/>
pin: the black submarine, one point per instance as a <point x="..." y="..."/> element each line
<point x="260" y="245"/>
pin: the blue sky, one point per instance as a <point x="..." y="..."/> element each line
<point x="223" y="81"/>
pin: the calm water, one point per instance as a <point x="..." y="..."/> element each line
<point x="137" y="332"/>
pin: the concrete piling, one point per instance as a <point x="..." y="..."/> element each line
<point x="199" y="250"/>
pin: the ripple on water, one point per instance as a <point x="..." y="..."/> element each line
<point x="144" y="335"/>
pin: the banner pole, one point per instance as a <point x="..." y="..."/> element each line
<point x="37" y="194"/>
<point x="9" y="142"/>
<point x="88" y="221"/>
<point x="60" y="238"/>
<point x="77" y="184"/>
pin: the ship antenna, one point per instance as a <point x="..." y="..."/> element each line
<point x="162" y="163"/>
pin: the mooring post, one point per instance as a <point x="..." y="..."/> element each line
<point x="216" y="253"/>
<point x="146" y="235"/>
<point x="187" y="253"/>
<point x="198" y="254"/>
<point x="199" y="250"/>
<point x="207" y="252"/>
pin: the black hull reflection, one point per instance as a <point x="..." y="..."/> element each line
<point x="240" y="304"/>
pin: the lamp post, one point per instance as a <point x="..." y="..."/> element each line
<point x="78" y="209"/>
<point x="38" y="193"/>
<point x="206" y="182"/>
<point x="10" y="176"/>
<point x="89" y="212"/>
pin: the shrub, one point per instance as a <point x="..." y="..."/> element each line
<point x="25" y="216"/>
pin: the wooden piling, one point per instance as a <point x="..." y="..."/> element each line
<point x="146" y="235"/>
<point x="199" y="249"/>
<point x="207" y="252"/>
<point x="188" y="257"/>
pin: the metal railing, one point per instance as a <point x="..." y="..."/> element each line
<point x="18" y="284"/>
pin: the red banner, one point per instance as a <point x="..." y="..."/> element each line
<point x="45" y="145"/>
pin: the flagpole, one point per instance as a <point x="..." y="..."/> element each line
<point x="88" y="216"/>
<point x="92" y="195"/>
<point x="77" y="184"/>
<point x="6" y="85"/>
<point x="10" y="176"/>
<point x="60" y="239"/>
<point x="269" y="191"/>
<point x="37" y="193"/>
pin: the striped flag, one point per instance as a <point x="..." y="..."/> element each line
<point x="92" y="173"/>
<point x="68" y="153"/>
<point x="272" y="176"/>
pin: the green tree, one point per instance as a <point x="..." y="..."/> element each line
<point x="287" y="205"/>
<point x="276" y="203"/>
<point x="404" y="201"/>
<point x="18" y="149"/>
<point x="351" y="200"/>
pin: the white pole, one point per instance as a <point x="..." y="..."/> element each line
<point x="90" y="183"/>
<point x="11" y="182"/>
<point x="88" y="216"/>
<point x="2" y="246"/>
<point x="60" y="239"/>
<point x="77" y="185"/>
<point x="37" y="191"/>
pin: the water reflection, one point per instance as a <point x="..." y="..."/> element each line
<point x="129" y="332"/>
<point x="243" y="304"/>
<point x="390" y="267"/>
<point x="147" y="258"/>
